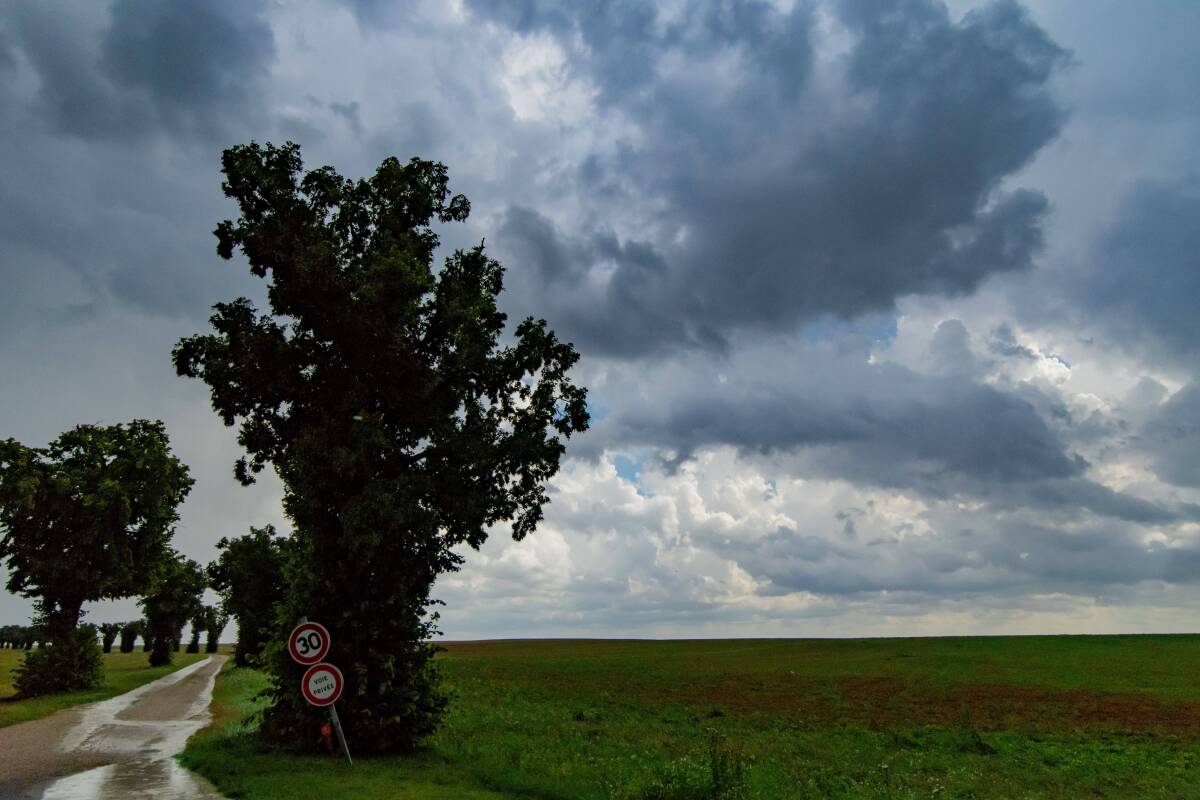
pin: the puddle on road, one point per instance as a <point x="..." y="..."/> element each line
<point x="143" y="751"/>
<point x="161" y="779"/>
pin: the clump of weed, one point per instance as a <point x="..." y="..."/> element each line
<point x="971" y="742"/>
<point x="718" y="774"/>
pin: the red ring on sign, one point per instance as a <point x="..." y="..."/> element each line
<point x="338" y="683"/>
<point x="313" y="656"/>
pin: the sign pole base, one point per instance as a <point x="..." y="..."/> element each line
<point x="337" y="726"/>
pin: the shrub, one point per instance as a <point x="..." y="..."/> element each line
<point x="71" y="663"/>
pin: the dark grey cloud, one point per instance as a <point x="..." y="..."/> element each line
<point x="883" y="424"/>
<point x="780" y="192"/>
<point x="1173" y="437"/>
<point x="1004" y="343"/>
<point x="1008" y="557"/>
<point x="821" y="412"/>
<point x="189" y="70"/>
<point x="191" y="63"/>
<point x="624" y="43"/>
<point x="8" y="58"/>
<point x="1140" y="285"/>
<point x="1066" y="497"/>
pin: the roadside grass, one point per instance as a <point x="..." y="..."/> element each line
<point x="122" y="672"/>
<point x="229" y="754"/>
<point x="1024" y="717"/>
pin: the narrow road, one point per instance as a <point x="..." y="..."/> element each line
<point x="123" y="747"/>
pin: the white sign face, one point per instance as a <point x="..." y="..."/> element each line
<point x="308" y="642"/>
<point x="322" y="684"/>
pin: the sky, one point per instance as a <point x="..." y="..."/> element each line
<point x="887" y="309"/>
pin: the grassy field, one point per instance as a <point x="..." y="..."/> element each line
<point x="1023" y="717"/>
<point x="122" y="672"/>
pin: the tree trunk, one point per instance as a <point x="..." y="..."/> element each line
<point x="61" y="621"/>
<point x="160" y="655"/>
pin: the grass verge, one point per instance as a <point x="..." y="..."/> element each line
<point x="228" y="754"/>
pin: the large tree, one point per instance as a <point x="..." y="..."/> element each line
<point x="173" y="599"/>
<point x="378" y="389"/>
<point x="249" y="577"/>
<point x="85" y="518"/>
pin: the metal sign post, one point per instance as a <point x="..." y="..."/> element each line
<point x="337" y="727"/>
<point x="322" y="683"/>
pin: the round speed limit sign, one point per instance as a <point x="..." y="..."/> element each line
<point x="322" y="684"/>
<point x="308" y="643"/>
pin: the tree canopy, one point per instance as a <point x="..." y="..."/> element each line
<point x="173" y="600"/>
<point x="248" y="575"/>
<point x="85" y="518"/>
<point x="378" y="389"/>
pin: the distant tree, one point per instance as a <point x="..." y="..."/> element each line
<point x="214" y="622"/>
<point x="14" y="636"/>
<point x="248" y="575"/>
<point x="9" y="635"/>
<point x="129" y="633"/>
<point x="84" y="519"/>
<point x="108" y="634"/>
<point x="197" y="628"/>
<point x="378" y="390"/>
<point x="173" y="599"/>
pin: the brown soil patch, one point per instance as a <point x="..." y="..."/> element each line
<point x="890" y="702"/>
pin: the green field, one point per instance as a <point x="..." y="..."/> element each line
<point x="1004" y="717"/>
<point x="122" y="672"/>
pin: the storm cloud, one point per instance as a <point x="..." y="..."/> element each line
<point x="885" y="307"/>
<point x="785" y="189"/>
<point x="159" y="68"/>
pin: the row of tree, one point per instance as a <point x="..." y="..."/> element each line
<point x="19" y="637"/>
<point x="90" y="517"/>
<point x="207" y="620"/>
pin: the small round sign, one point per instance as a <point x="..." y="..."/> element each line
<point x="308" y="643"/>
<point x="322" y="684"/>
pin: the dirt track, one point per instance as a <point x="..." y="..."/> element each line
<point x="122" y="747"/>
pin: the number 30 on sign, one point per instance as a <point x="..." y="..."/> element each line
<point x="308" y="643"/>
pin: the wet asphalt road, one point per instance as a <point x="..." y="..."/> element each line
<point x="121" y="748"/>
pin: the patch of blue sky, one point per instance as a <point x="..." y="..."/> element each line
<point x="877" y="327"/>
<point x="629" y="468"/>
<point x="598" y="411"/>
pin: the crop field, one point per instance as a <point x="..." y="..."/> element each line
<point x="122" y="672"/>
<point x="1004" y="717"/>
